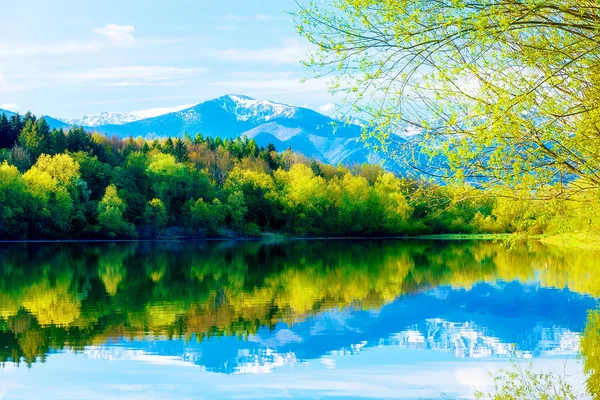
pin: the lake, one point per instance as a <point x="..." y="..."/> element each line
<point x="291" y="319"/>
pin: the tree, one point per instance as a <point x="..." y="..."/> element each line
<point x="58" y="141"/>
<point x="95" y="173"/>
<point x="590" y="348"/>
<point x="395" y="210"/>
<point x="35" y="137"/>
<point x="59" y="195"/>
<point x="110" y="214"/>
<point x="506" y="91"/>
<point x="16" y="125"/>
<point x="236" y="210"/>
<point x="180" y="151"/>
<point x="260" y="195"/>
<point x="13" y="202"/>
<point x="20" y="158"/>
<point x="79" y="140"/>
<point x="155" y="215"/>
<point x="207" y="216"/>
<point x="171" y="180"/>
<point x="7" y="140"/>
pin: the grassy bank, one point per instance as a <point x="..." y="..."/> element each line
<point x="579" y="240"/>
<point x="468" y="236"/>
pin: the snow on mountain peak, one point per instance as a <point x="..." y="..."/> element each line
<point x="105" y="118"/>
<point x="246" y="108"/>
<point x="117" y="118"/>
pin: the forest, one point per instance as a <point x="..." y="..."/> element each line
<point x="75" y="184"/>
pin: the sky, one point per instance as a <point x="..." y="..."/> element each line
<point x="382" y="372"/>
<point x="69" y="58"/>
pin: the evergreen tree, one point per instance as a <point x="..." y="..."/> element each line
<point x="168" y="147"/>
<point x="58" y="141"/>
<point x="180" y="151"/>
<point x="199" y="138"/>
<point x="29" y="117"/>
<point x="35" y="136"/>
<point x="6" y="139"/>
<point x="79" y="140"/>
<point x="16" y="126"/>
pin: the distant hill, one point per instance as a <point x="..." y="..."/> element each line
<point x="303" y="130"/>
<point x="52" y="122"/>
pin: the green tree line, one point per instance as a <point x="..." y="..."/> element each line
<point x="76" y="184"/>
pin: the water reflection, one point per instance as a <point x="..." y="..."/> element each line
<point x="290" y="301"/>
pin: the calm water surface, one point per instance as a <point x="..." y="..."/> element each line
<point x="298" y="319"/>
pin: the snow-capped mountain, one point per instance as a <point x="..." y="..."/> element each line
<point x="105" y="118"/>
<point x="118" y="118"/>
<point x="285" y="126"/>
<point x="303" y="130"/>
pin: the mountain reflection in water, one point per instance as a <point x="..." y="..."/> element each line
<point x="245" y="307"/>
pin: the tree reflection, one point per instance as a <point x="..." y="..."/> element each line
<point x="73" y="295"/>
<point x="590" y="348"/>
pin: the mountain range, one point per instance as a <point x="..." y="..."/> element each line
<point x="301" y="129"/>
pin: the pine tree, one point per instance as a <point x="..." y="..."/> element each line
<point x="29" y="117"/>
<point x="43" y="130"/>
<point x="168" y="147"/>
<point x="59" y="141"/>
<point x="79" y="140"/>
<point x="16" y="126"/>
<point x="180" y="151"/>
<point x="199" y="138"/>
<point x="5" y="133"/>
<point x="35" y="136"/>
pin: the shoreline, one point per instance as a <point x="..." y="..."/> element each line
<point x="570" y="241"/>
<point x="276" y="238"/>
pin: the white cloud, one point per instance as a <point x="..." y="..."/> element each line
<point x="264" y="17"/>
<point x="245" y="18"/>
<point x="291" y="52"/>
<point x="120" y="35"/>
<point x="139" y="84"/>
<point x="11" y="49"/>
<point x="136" y="75"/>
<point x="325" y="108"/>
<point x="264" y="84"/>
<point x="10" y="107"/>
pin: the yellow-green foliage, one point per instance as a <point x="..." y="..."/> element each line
<point x="506" y="91"/>
<point x="590" y="348"/>
<point x="220" y="289"/>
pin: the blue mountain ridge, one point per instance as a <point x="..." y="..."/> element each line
<point x="52" y="122"/>
<point x="303" y="130"/>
